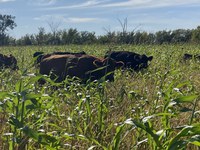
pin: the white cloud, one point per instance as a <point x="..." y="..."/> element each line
<point x="128" y="3"/>
<point x="82" y="20"/>
<point x="42" y="2"/>
<point x="150" y="3"/>
<point x="2" y="1"/>
<point x="50" y="17"/>
<point x="63" y="18"/>
<point x="88" y="3"/>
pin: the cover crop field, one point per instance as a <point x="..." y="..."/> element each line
<point x="157" y="108"/>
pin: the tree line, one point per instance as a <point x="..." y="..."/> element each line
<point x="73" y="36"/>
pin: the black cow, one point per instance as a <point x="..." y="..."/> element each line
<point x="8" y="62"/>
<point x="40" y="55"/>
<point x="131" y="60"/>
<point x="189" y="57"/>
<point x="83" y="67"/>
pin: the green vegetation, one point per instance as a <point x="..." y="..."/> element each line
<point x="73" y="36"/>
<point x="6" y="22"/>
<point x="155" y="109"/>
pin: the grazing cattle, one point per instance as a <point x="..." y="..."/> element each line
<point x="8" y="62"/>
<point x="83" y="67"/>
<point x="40" y="55"/>
<point x="189" y="56"/>
<point x="130" y="59"/>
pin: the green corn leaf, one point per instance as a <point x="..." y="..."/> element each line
<point x="31" y="133"/>
<point x="117" y="137"/>
<point x="19" y="86"/>
<point x="32" y="96"/>
<point x="41" y="138"/>
<point x="96" y="142"/>
<point x="145" y="127"/>
<point x="195" y="140"/>
<point x="186" y="131"/>
<point x="15" y="122"/>
<point x="178" y="145"/>
<point x="4" y="94"/>
<point x="186" y="99"/>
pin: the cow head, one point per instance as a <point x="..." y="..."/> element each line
<point x="38" y="56"/>
<point x="141" y="61"/>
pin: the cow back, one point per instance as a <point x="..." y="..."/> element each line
<point x="82" y="66"/>
<point x="40" y="55"/>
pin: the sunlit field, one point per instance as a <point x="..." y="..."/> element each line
<point x="157" y="108"/>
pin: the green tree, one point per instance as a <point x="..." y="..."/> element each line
<point x="87" y="37"/>
<point x="163" y="37"/>
<point x="73" y="36"/>
<point x="41" y="36"/>
<point x="6" y="22"/>
<point x="64" y="37"/>
<point x="26" y="40"/>
<point x="196" y="35"/>
<point x="180" y="36"/>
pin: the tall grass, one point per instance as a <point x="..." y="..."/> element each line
<point x="154" y="109"/>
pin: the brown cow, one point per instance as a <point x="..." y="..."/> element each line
<point x="84" y="67"/>
<point x="8" y="62"/>
<point x="40" y="55"/>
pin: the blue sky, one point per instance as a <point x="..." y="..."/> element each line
<point x="101" y="15"/>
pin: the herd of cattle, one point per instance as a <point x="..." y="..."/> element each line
<point x="86" y="67"/>
<point x="59" y="65"/>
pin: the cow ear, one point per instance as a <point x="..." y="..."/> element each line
<point x="150" y="58"/>
<point x="119" y="64"/>
<point x="97" y="63"/>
